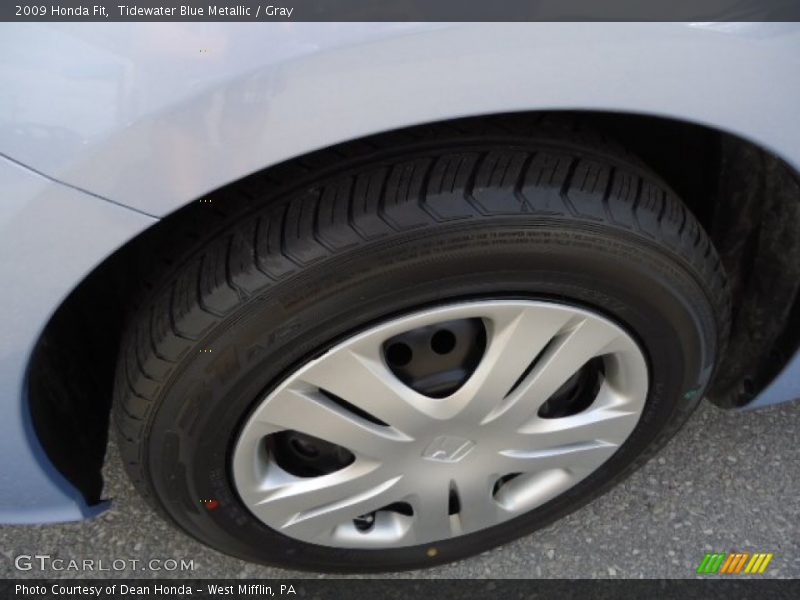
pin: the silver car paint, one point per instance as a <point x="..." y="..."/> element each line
<point x="51" y="236"/>
<point x="154" y="115"/>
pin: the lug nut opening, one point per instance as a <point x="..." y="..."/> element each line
<point x="435" y="360"/>
<point x="443" y="341"/>
<point x="399" y="354"/>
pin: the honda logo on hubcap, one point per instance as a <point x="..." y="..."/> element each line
<point x="447" y="448"/>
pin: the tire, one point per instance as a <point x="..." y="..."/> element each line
<point x="455" y="218"/>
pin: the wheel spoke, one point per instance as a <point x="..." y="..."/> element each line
<point x="477" y="506"/>
<point x="563" y="358"/>
<point x="323" y="520"/>
<point x="363" y="380"/>
<point x="310" y="412"/>
<point x="431" y="518"/>
<point x="609" y="424"/>
<point x="516" y="336"/>
<point x="314" y="507"/>
<point x="580" y="457"/>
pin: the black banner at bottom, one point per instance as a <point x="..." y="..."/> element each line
<point x="388" y="589"/>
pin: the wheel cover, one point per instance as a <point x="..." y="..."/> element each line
<point x="486" y="444"/>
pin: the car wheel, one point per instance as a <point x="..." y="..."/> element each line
<point x="415" y="357"/>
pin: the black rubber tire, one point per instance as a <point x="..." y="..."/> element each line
<point x="295" y="265"/>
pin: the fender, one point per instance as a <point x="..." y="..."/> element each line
<point x="154" y="115"/>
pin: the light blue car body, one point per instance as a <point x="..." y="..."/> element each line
<point x="104" y="129"/>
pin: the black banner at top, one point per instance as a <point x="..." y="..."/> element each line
<point x="399" y="10"/>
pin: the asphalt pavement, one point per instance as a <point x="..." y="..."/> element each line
<point x="729" y="481"/>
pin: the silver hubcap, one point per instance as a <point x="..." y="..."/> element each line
<point x="423" y="468"/>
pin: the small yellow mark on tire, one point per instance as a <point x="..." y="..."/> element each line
<point x="431" y="552"/>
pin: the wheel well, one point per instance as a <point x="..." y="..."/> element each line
<point x="745" y="197"/>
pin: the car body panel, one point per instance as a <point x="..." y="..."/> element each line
<point x="154" y="115"/>
<point x="784" y="388"/>
<point x="151" y="116"/>
<point x="51" y="237"/>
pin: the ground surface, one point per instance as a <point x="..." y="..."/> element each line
<point x="727" y="482"/>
